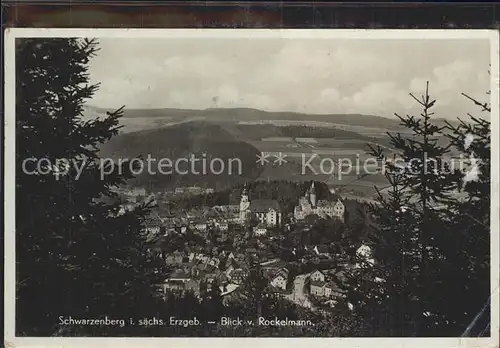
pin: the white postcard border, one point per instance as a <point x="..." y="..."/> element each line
<point x="9" y="184"/>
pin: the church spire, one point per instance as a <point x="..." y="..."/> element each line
<point x="244" y="204"/>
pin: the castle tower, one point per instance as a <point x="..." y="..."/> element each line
<point x="312" y="195"/>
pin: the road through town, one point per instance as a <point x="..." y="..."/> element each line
<point x="298" y="295"/>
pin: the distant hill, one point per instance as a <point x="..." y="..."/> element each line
<point x="249" y="115"/>
<point x="260" y="131"/>
<point x="179" y="142"/>
<point x="140" y="119"/>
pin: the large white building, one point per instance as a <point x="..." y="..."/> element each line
<point x="309" y="205"/>
<point x="266" y="211"/>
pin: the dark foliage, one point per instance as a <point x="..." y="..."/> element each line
<point x="75" y="255"/>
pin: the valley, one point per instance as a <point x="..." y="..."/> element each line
<point x="328" y="148"/>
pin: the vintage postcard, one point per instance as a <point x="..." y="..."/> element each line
<point x="171" y="185"/>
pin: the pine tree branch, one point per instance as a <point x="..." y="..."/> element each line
<point x="485" y="106"/>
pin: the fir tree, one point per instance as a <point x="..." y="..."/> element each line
<point x="431" y="246"/>
<point x="382" y="286"/>
<point x="464" y="273"/>
<point x="75" y="255"/>
<point x="212" y="305"/>
<point x="404" y="228"/>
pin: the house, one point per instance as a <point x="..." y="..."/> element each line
<point x="175" y="258"/>
<point x="326" y="289"/>
<point x="222" y="225"/>
<point x="260" y="230"/>
<point x="366" y="253"/>
<point x="173" y="285"/>
<point x="229" y="269"/>
<point x="280" y="279"/>
<point x="201" y="226"/>
<point x="194" y="190"/>
<point x="273" y="267"/>
<point x="267" y="212"/>
<point x="340" y="277"/>
<point x="228" y="212"/>
<point x="195" y="213"/>
<point x="238" y="275"/>
<point x="152" y="225"/>
<point x="179" y="276"/>
<point x="323" y="289"/>
<point x="193" y="286"/>
<point x="136" y="191"/>
<point x="181" y="285"/>
<point x="334" y="290"/>
<point x="202" y="258"/>
<point x="321" y="250"/>
<point x="317" y="276"/>
<point x="214" y="262"/>
<point x="125" y="208"/>
<point x="317" y="288"/>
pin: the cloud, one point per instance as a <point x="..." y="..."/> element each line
<point x="317" y="76"/>
<point x="447" y="82"/>
<point x="379" y="97"/>
<point x="202" y="66"/>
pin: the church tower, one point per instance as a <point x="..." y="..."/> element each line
<point x="312" y="195"/>
<point x="244" y="205"/>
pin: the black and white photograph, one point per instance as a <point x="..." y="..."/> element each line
<point x="205" y="183"/>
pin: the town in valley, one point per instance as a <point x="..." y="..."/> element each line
<point x="209" y="245"/>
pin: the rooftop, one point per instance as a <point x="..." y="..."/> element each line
<point x="321" y="249"/>
<point x="319" y="284"/>
<point x="179" y="275"/>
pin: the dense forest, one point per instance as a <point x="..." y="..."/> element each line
<point x="286" y="193"/>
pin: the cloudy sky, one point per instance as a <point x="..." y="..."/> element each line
<point x="315" y="76"/>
